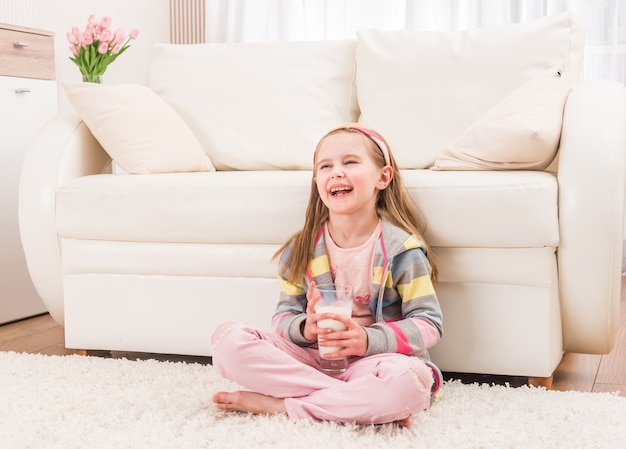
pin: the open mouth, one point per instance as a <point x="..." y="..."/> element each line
<point x="340" y="191"/>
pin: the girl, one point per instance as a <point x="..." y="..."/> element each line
<point x="361" y="229"/>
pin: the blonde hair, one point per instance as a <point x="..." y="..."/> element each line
<point x="394" y="204"/>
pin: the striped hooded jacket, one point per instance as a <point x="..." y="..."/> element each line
<point x="404" y="308"/>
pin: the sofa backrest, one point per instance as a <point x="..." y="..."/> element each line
<point x="421" y="90"/>
<point x="264" y="106"/>
<point x="260" y="106"/>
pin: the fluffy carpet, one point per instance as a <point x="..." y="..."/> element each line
<point x="90" y="402"/>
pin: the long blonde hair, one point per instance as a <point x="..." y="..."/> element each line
<point x="393" y="204"/>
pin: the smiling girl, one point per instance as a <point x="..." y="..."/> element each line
<point x="361" y="229"/>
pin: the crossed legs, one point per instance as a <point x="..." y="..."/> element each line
<point x="285" y="378"/>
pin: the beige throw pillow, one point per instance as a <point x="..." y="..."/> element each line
<point x="138" y="129"/>
<point x="522" y="132"/>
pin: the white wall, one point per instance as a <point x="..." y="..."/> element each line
<point x="151" y="17"/>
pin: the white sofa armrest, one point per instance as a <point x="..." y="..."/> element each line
<point x="63" y="149"/>
<point x="591" y="212"/>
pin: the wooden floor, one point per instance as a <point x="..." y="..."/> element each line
<point x="579" y="372"/>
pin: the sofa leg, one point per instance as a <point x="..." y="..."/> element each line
<point x="91" y="352"/>
<point x="539" y="382"/>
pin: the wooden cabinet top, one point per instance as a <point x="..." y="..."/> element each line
<point x="5" y="26"/>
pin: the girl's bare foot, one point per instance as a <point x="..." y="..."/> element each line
<point x="403" y="423"/>
<point x="248" y="401"/>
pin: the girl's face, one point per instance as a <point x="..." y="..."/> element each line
<point x="347" y="179"/>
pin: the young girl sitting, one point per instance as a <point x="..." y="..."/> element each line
<point x="361" y="229"/>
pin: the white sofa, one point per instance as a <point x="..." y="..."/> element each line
<point x="529" y="258"/>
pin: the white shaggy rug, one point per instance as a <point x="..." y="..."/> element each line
<point x="90" y="402"/>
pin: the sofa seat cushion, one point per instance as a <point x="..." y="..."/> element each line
<point x="487" y="209"/>
<point x="464" y="209"/>
<point x="229" y="207"/>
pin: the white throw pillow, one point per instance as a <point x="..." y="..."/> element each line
<point x="258" y="106"/>
<point x="522" y="132"/>
<point x="139" y="130"/>
<point x="421" y="90"/>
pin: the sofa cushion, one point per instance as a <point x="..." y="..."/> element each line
<point x="463" y="209"/>
<point x="487" y="209"/>
<point x="258" y="106"/>
<point x="421" y="90"/>
<point x="139" y="130"/>
<point x="521" y="132"/>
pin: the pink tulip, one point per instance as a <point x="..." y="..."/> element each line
<point x="105" y="36"/>
<point x="120" y="36"/>
<point x="87" y="38"/>
<point x="106" y="22"/>
<point x="97" y="35"/>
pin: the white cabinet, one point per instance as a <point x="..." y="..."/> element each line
<point x="28" y="98"/>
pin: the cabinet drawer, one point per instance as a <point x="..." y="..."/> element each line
<point x="26" y="53"/>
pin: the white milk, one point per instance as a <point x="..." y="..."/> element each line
<point x="332" y="324"/>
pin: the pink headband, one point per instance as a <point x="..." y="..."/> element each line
<point x="373" y="136"/>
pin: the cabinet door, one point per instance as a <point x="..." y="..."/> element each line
<point x="25" y="105"/>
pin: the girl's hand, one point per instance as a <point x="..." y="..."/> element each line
<point x="353" y="341"/>
<point x="311" y="331"/>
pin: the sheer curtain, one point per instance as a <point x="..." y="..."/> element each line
<point x="290" y="20"/>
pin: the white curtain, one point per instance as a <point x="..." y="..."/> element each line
<point x="293" y="20"/>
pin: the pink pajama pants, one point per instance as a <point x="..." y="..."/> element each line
<point x="373" y="390"/>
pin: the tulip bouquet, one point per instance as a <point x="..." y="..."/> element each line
<point x="97" y="46"/>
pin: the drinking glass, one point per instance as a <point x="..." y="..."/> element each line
<point x="336" y="299"/>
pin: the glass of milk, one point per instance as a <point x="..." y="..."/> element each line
<point x="336" y="299"/>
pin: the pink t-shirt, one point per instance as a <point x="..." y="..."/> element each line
<point x="353" y="266"/>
